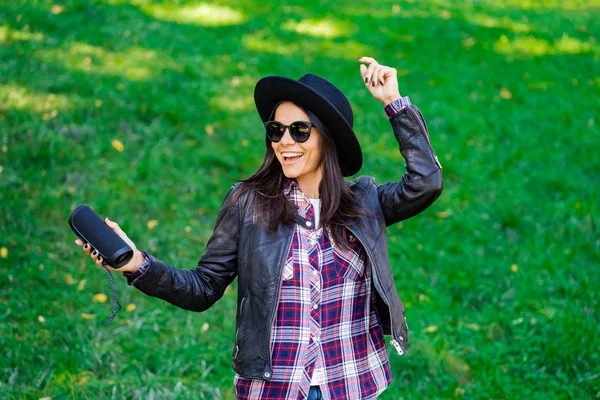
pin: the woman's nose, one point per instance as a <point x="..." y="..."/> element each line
<point x="287" y="137"/>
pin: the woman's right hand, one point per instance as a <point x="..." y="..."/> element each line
<point x="381" y="80"/>
<point x="133" y="264"/>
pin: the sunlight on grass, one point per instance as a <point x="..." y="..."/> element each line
<point x="134" y="63"/>
<point x="395" y="10"/>
<point x="503" y="22"/>
<point x="325" y="28"/>
<point x="7" y="34"/>
<point x="569" y="45"/>
<point x="17" y="97"/>
<point x="203" y="14"/>
<point x="552" y="4"/>
<point x="232" y="98"/>
<point x="531" y="46"/>
<point x="237" y="103"/>
<point x="347" y="50"/>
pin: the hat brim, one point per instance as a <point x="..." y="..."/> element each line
<point x="271" y="90"/>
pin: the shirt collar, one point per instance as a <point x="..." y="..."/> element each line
<point x="305" y="213"/>
<point x="293" y="192"/>
<point x="288" y="185"/>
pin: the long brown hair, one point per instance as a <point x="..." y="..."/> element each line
<point x="338" y="206"/>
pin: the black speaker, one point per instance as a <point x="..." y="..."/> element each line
<point x="93" y="230"/>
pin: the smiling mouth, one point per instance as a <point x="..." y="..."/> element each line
<point x="291" y="157"/>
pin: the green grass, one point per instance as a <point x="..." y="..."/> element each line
<point x="500" y="276"/>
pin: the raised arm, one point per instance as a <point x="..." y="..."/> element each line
<point x="421" y="184"/>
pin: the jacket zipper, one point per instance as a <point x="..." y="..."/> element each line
<point x="237" y="331"/>
<point x="289" y="246"/>
<point x="393" y="342"/>
<point x="419" y="118"/>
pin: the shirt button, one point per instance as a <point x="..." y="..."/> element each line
<point x="267" y="374"/>
<point x="315" y="307"/>
<point x="315" y="272"/>
<point x="308" y="223"/>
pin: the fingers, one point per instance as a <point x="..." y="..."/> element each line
<point x="112" y="224"/>
<point x="369" y="75"/>
<point x="367" y="60"/>
<point x="375" y="78"/>
<point x="92" y="253"/>
<point x="371" y="62"/>
<point x="98" y="260"/>
<point x="87" y="248"/>
<point x="374" y="73"/>
<point x="363" y="70"/>
<point x="382" y="74"/>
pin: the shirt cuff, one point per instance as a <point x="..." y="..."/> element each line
<point x="132" y="276"/>
<point x="396" y="106"/>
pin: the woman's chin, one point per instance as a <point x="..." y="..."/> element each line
<point x="290" y="174"/>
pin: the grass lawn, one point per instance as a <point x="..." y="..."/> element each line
<point x="143" y="109"/>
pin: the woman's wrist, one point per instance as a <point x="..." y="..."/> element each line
<point x="391" y="99"/>
<point x="396" y="106"/>
<point x="137" y="261"/>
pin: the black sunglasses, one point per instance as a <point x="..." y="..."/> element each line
<point x="299" y="130"/>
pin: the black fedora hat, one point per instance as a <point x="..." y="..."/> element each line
<point x="323" y="99"/>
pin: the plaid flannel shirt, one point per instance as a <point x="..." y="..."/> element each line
<point x="326" y="322"/>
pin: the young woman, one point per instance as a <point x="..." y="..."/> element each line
<point x="316" y="293"/>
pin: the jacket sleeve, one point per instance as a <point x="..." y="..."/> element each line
<point x="199" y="288"/>
<point x="422" y="181"/>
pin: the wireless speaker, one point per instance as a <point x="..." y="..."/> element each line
<point x="93" y="230"/>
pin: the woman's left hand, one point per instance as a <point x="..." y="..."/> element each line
<point x="382" y="81"/>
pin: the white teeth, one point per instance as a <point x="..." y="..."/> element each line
<point x="291" y="154"/>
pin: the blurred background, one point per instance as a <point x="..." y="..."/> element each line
<point x="144" y="110"/>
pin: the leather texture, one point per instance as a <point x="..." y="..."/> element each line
<point x="242" y="246"/>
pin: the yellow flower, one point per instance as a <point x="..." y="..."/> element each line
<point x="3" y="252"/>
<point x="130" y="307"/>
<point x="69" y="280"/>
<point x="118" y="145"/>
<point x="100" y="298"/>
<point x="88" y="316"/>
<point x="505" y="94"/>
<point x="514" y="268"/>
<point x="152" y="224"/>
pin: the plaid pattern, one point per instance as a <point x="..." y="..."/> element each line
<point x="397" y="105"/>
<point x="326" y="324"/>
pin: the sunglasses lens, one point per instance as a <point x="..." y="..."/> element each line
<point x="274" y="130"/>
<point x="300" y="131"/>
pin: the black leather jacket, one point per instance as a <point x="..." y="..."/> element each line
<point x="242" y="246"/>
